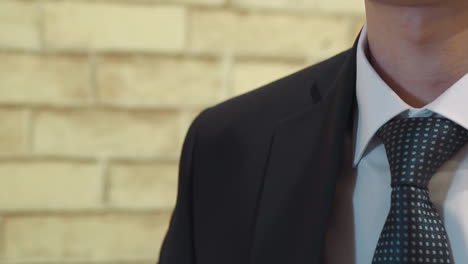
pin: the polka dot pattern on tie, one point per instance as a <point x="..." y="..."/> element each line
<point x="416" y="148"/>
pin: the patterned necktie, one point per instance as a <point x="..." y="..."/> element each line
<point x="416" y="148"/>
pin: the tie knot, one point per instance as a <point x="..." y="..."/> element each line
<point x="417" y="147"/>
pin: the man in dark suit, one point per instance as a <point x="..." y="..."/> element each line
<point x="304" y="169"/>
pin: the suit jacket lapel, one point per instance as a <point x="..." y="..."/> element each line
<point x="305" y="158"/>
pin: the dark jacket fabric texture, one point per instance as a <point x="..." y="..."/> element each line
<point x="257" y="172"/>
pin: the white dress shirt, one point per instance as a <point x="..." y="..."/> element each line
<point x="363" y="192"/>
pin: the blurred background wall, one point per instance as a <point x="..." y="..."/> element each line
<point x="96" y="98"/>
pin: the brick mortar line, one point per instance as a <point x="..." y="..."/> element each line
<point x="130" y="260"/>
<point x="29" y="126"/>
<point x="226" y="6"/>
<point x="69" y="213"/>
<point x="186" y="54"/>
<point x="38" y="157"/>
<point x="310" y="11"/>
<point x="228" y="3"/>
<point x="183" y="123"/>
<point x="291" y="59"/>
<point x="106" y="107"/>
<point x="105" y="178"/>
<point x="141" y="161"/>
<point x="113" y="160"/>
<point x="227" y="70"/>
<point x="125" y="3"/>
<point x="314" y="11"/>
<point x="55" y="261"/>
<point x="14" y="107"/>
<point x="2" y="238"/>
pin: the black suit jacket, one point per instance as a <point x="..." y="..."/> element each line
<point x="257" y="172"/>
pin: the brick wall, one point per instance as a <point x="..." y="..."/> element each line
<point x="96" y="98"/>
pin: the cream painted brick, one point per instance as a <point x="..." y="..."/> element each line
<point x="105" y="26"/>
<point x="143" y="185"/>
<point x="19" y="25"/>
<point x="49" y="185"/>
<point x="26" y="78"/>
<point x="100" y="132"/>
<point x="2" y="242"/>
<point x="13" y="132"/>
<point x="203" y="2"/>
<point x="357" y="25"/>
<point x="268" y="34"/>
<point x="342" y="6"/>
<point x="276" y="4"/>
<point x="160" y="80"/>
<point x="125" y="261"/>
<point x="253" y="74"/>
<point x="85" y="237"/>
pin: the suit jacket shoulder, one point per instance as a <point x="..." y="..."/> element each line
<point x="275" y="100"/>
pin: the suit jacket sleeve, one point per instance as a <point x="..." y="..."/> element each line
<point x="178" y="244"/>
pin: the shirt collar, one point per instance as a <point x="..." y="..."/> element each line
<point x="377" y="103"/>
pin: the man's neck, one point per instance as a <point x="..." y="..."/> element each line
<point x="419" y="51"/>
